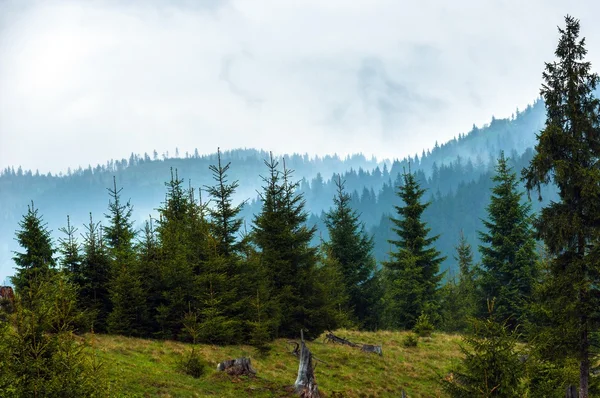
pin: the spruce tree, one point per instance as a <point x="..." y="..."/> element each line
<point x="92" y="280"/>
<point x="40" y="355"/>
<point x="128" y="298"/>
<point x="412" y="275"/>
<point x="149" y="268"/>
<point x="459" y="294"/>
<point x="225" y="270"/>
<point x="491" y="366"/>
<point x="225" y="220"/>
<point x="177" y="286"/>
<point x="567" y="154"/>
<point x="283" y="239"/>
<point x="508" y="268"/>
<point x="69" y="249"/>
<point x="351" y="247"/>
<point x="37" y="261"/>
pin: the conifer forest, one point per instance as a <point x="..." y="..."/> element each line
<point x="487" y="245"/>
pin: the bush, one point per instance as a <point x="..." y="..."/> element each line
<point x="410" y="340"/>
<point x="192" y="364"/>
<point x="423" y="327"/>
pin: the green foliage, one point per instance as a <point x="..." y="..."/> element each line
<point x="459" y="297"/>
<point x="567" y="155"/>
<point x="283" y="239"/>
<point x="491" y="366"/>
<point x="128" y="298"/>
<point x="224" y="215"/>
<point x="412" y="274"/>
<point x="351" y="247"/>
<point x="92" y="278"/>
<point x="508" y="249"/>
<point x="41" y="355"/>
<point x="36" y="262"/>
<point x="192" y="364"/>
<point x="69" y="249"/>
<point x="423" y="327"/>
<point x="176" y="259"/>
<point x="411" y="340"/>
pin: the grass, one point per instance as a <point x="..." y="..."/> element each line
<point x="148" y="368"/>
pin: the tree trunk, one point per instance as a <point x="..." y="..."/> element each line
<point x="584" y="366"/>
<point x="237" y="367"/>
<point x="571" y="392"/>
<point x="306" y="385"/>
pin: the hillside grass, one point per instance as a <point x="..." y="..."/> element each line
<point x="148" y="368"/>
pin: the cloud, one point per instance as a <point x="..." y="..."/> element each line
<point x="82" y="81"/>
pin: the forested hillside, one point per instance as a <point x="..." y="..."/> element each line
<point x="456" y="175"/>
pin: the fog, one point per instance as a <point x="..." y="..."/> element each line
<point x="82" y="82"/>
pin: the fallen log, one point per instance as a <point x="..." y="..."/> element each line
<point x="332" y="338"/>
<point x="306" y="384"/>
<point x="237" y="367"/>
<point x="372" y="348"/>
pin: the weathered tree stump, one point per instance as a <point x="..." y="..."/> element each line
<point x="306" y="384"/>
<point x="572" y="392"/>
<point x="372" y="348"/>
<point x="332" y="338"/>
<point x="237" y="367"/>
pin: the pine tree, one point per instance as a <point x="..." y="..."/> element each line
<point x="508" y="268"/>
<point x="412" y="274"/>
<point x="567" y="155"/>
<point x="37" y="261"/>
<point x="351" y="247"/>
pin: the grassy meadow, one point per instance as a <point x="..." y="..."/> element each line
<point x="148" y="368"/>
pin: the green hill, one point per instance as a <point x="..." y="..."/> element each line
<point x="148" y="368"/>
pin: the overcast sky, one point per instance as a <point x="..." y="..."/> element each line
<point x="82" y="82"/>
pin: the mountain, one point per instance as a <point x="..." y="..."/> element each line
<point x="456" y="174"/>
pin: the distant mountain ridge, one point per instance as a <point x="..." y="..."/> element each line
<point x="446" y="170"/>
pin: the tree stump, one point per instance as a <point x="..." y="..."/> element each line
<point x="572" y="392"/>
<point x="332" y="338"/>
<point x="306" y="384"/>
<point x="372" y="348"/>
<point x="237" y="367"/>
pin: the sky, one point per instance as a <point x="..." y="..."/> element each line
<point x="82" y="82"/>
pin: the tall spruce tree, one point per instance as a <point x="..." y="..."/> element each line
<point x="412" y="275"/>
<point x="92" y="279"/>
<point x="567" y="155"/>
<point x="351" y="246"/>
<point x="508" y="264"/>
<point x="224" y="284"/>
<point x="69" y="249"/>
<point x="177" y="286"/>
<point x="225" y="219"/>
<point x="37" y="261"/>
<point x="459" y="294"/>
<point x="129" y="311"/>
<point x="283" y="239"/>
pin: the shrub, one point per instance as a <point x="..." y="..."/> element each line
<point x="192" y="364"/>
<point x="423" y="327"/>
<point x="410" y="340"/>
